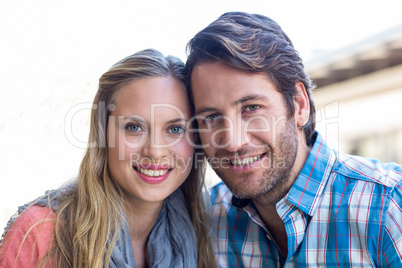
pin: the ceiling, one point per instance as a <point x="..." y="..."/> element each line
<point x="373" y="54"/>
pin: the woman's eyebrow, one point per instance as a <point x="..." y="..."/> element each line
<point x="177" y="120"/>
<point x="132" y="118"/>
<point x="140" y="119"/>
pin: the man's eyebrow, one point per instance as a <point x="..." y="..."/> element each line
<point x="204" y="110"/>
<point x="255" y="97"/>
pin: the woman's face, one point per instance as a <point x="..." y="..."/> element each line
<point x="150" y="153"/>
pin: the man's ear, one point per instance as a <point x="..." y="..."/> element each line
<point x="302" y="105"/>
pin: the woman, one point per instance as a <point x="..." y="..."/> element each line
<point x="137" y="201"/>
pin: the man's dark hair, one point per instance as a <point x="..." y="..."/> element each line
<point x="257" y="44"/>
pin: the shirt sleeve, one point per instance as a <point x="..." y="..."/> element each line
<point x="29" y="238"/>
<point x="392" y="243"/>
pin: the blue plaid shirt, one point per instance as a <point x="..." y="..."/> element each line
<point x="342" y="211"/>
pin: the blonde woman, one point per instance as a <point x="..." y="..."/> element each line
<point x="137" y="201"/>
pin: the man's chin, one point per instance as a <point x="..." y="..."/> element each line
<point x="242" y="191"/>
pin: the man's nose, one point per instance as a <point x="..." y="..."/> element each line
<point x="233" y="134"/>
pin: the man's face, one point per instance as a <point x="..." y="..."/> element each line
<point x="248" y="137"/>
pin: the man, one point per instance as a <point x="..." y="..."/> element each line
<point x="287" y="198"/>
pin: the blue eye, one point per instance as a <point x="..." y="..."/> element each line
<point x="176" y="129"/>
<point x="133" y="128"/>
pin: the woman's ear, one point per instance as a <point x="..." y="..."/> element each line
<point x="302" y="105"/>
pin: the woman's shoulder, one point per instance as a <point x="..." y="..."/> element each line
<point x="34" y="217"/>
<point x="37" y="212"/>
<point x="29" y="237"/>
<point x="32" y="221"/>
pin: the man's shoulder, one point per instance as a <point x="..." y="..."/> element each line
<point x="368" y="169"/>
<point x="220" y="194"/>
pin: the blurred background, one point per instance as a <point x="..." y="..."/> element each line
<point x="53" y="52"/>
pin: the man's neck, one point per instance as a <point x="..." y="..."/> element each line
<point x="276" y="227"/>
<point x="266" y="206"/>
<point x="266" y="203"/>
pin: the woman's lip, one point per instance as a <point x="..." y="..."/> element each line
<point x="154" y="166"/>
<point x="152" y="180"/>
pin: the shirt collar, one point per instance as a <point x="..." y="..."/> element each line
<point x="309" y="185"/>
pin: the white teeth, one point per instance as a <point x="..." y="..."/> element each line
<point x="244" y="161"/>
<point x="153" y="173"/>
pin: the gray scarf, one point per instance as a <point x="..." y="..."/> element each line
<point x="171" y="243"/>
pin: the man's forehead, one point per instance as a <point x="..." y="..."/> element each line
<point x="220" y="80"/>
<point x="215" y="72"/>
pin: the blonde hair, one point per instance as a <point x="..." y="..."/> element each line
<point x="90" y="216"/>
